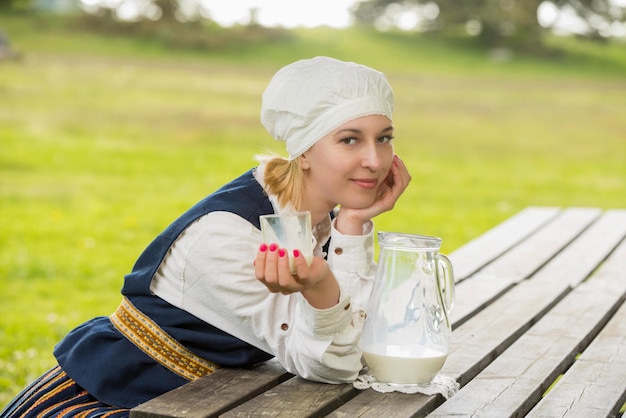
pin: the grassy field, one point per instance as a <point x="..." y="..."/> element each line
<point x="105" y="140"/>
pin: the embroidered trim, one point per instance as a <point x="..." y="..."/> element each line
<point x="158" y="344"/>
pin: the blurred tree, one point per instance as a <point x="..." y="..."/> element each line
<point x="168" y="8"/>
<point x="497" y="23"/>
<point x="136" y="10"/>
<point x="599" y="15"/>
<point x="181" y="10"/>
<point x="16" y="4"/>
<point x="172" y="23"/>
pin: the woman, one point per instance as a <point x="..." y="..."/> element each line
<point x="207" y="294"/>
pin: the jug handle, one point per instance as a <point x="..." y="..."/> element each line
<point x="446" y="281"/>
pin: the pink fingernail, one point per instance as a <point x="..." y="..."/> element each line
<point x="296" y="253"/>
<point x="263" y="247"/>
<point x="273" y="247"/>
<point x="281" y="252"/>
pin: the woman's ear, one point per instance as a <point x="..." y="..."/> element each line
<point x="304" y="162"/>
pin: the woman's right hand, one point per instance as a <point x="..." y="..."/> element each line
<point x="316" y="282"/>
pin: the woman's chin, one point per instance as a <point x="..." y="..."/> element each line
<point x="358" y="203"/>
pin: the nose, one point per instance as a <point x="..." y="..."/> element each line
<point x="372" y="157"/>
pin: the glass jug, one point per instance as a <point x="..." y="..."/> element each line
<point x="406" y="335"/>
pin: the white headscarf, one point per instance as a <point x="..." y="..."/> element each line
<point x="308" y="99"/>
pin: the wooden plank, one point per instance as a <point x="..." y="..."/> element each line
<point x="596" y="384"/>
<point x="372" y="404"/>
<point x="513" y="383"/>
<point x="472" y="296"/>
<point x="213" y="394"/>
<point x="519" y="263"/>
<point x="523" y="260"/>
<point x="482" y="250"/>
<point x="491" y="331"/>
<point x="582" y="257"/>
<point x="296" y="398"/>
<point x="482" y="338"/>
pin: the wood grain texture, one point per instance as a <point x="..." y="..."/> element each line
<point x="477" y="253"/>
<point x="213" y="394"/>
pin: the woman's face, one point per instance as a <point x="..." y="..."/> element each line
<point x="348" y="166"/>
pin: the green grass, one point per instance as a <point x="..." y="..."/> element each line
<point x="104" y="140"/>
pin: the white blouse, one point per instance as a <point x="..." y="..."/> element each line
<point x="209" y="272"/>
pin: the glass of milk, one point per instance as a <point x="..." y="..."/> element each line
<point x="291" y="231"/>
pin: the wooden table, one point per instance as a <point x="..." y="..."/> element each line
<point x="539" y="298"/>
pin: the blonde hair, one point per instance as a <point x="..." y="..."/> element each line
<point x="283" y="178"/>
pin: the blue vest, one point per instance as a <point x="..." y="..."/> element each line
<point x="110" y="367"/>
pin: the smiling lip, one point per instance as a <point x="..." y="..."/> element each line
<point x="366" y="183"/>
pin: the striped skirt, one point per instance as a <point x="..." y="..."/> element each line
<point x="56" y="395"/>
